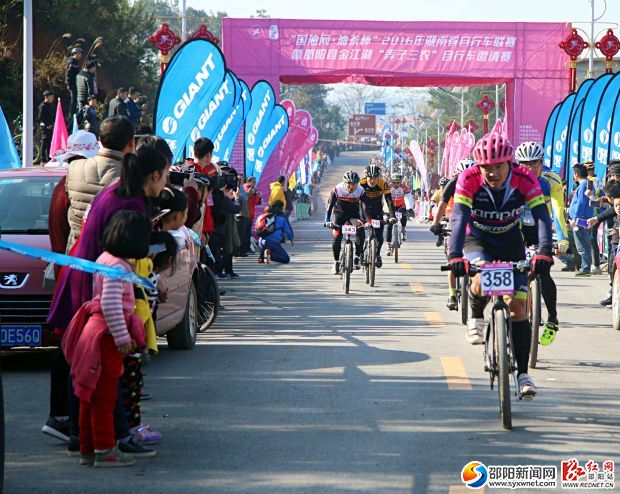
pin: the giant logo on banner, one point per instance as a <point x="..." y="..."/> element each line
<point x="195" y="74"/>
<point x="226" y="137"/>
<point x="587" y="123"/>
<point x="265" y="126"/>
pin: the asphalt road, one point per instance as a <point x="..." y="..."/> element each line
<point x="301" y="389"/>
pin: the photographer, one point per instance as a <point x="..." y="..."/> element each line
<point x="224" y="239"/>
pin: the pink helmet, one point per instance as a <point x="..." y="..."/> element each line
<point x="493" y="148"/>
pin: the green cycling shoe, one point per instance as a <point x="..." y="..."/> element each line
<point x="551" y="328"/>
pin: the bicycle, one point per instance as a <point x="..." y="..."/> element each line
<point x="497" y="280"/>
<point x="534" y="308"/>
<point x="462" y="294"/>
<point x="346" y="254"/>
<point x="395" y="239"/>
<point x="370" y="251"/>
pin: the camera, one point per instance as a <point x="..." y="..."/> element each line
<point x="178" y="178"/>
<point x="229" y="177"/>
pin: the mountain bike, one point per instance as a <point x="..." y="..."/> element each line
<point x="346" y="254"/>
<point x="462" y="293"/>
<point x="395" y="238"/>
<point x="534" y="308"/>
<point x="369" y="259"/>
<point x="497" y="280"/>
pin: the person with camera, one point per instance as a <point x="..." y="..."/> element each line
<point x="73" y="68"/>
<point x="91" y="119"/>
<point x="226" y="205"/>
<point x="46" y="116"/>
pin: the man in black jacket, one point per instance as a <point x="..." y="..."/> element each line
<point x="87" y="83"/>
<point x="46" y="116"/>
<point x="73" y="67"/>
<point x="117" y="105"/>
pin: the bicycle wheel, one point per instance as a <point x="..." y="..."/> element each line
<point x="372" y="250"/>
<point x="208" y="298"/>
<point x="396" y="241"/>
<point x="366" y="265"/>
<point x="534" y="314"/>
<point x="464" y="299"/>
<point x="503" y="366"/>
<point x="348" y="266"/>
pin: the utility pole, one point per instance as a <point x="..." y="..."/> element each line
<point x="27" y="107"/>
<point x="591" y="59"/>
<point x="184" y="20"/>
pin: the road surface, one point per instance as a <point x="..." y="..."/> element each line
<point x="299" y="389"/>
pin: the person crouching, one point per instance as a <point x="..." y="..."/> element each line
<point x="271" y="226"/>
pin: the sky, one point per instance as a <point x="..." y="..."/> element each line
<point x="421" y="10"/>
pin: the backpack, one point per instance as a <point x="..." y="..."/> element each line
<point x="265" y="224"/>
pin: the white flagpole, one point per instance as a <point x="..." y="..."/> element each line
<point x="27" y="106"/>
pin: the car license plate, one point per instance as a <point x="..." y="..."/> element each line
<point x="21" y="336"/>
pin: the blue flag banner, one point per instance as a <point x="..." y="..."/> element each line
<point x="574" y="121"/>
<point x="548" y="143"/>
<point x="8" y="152"/>
<point x="614" y="141"/>
<point x="265" y="126"/>
<point x="226" y="137"/>
<point x="195" y="73"/>
<point x="275" y="130"/>
<point x="587" y="122"/>
<point x="573" y="147"/>
<point x="217" y="110"/>
<point x="560" y="134"/>
<point x="77" y="263"/>
<point x="602" y="131"/>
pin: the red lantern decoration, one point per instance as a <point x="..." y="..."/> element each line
<point x="485" y="105"/>
<point x="204" y="33"/>
<point x="473" y="127"/>
<point x="573" y="45"/>
<point x="164" y="40"/>
<point x="609" y="45"/>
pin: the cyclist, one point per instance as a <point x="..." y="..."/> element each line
<point x="445" y="208"/>
<point x="345" y="202"/>
<point x="531" y="155"/>
<point x="488" y="203"/>
<point x="403" y="204"/>
<point x="376" y="188"/>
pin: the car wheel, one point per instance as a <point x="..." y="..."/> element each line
<point x="183" y="336"/>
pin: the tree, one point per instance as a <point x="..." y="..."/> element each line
<point x="352" y="97"/>
<point x="326" y="118"/>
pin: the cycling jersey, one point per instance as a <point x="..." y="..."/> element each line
<point x="401" y="196"/>
<point x="448" y="195"/>
<point x="374" y="197"/>
<point x="345" y="203"/>
<point x="493" y="216"/>
<point x="553" y="191"/>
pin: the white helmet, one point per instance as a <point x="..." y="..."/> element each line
<point x="529" y="151"/>
<point x="462" y="165"/>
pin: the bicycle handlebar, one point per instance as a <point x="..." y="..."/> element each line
<point x="518" y="266"/>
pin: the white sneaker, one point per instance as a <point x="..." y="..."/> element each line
<point x="527" y="388"/>
<point x="596" y="270"/>
<point x="336" y="267"/>
<point x="475" y="331"/>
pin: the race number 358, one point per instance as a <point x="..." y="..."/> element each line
<point x="497" y="279"/>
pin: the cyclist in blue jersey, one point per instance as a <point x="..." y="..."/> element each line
<point x="531" y="155"/>
<point x="486" y="218"/>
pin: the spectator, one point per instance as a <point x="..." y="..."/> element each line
<point x="87" y="84"/>
<point x="73" y="68"/>
<point x="118" y="107"/>
<point x="277" y="191"/>
<point x="132" y="108"/>
<point x="102" y="334"/>
<point x="226" y="204"/>
<point x="46" y="116"/>
<point x="92" y="122"/>
<point x="254" y="199"/>
<point x="288" y="201"/>
<point x="270" y="244"/>
<point x="580" y="210"/>
<point x="86" y="178"/>
<point x="595" y="189"/>
<point x="242" y="220"/>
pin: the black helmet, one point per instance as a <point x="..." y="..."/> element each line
<point x="373" y="171"/>
<point x="443" y="181"/>
<point x="75" y="50"/>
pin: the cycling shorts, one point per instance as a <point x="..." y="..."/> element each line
<point x="475" y="250"/>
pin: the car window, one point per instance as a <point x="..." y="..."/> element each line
<point x="25" y="204"/>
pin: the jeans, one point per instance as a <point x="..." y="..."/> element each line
<point x="278" y="254"/>
<point x="584" y="247"/>
<point x="595" y="248"/>
<point x="97" y="417"/>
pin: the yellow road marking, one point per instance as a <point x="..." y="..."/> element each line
<point x="405" y="266"/>
<point x="416" y="288"/>
<point x="434" y="318"/>
<point x="455" y="372"/>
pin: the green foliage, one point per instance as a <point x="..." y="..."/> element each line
<point x="327" y="119"/>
